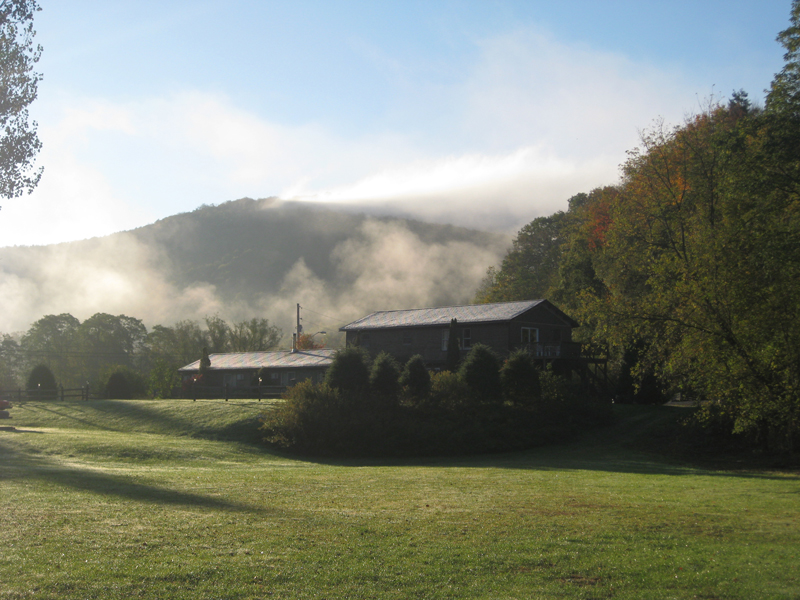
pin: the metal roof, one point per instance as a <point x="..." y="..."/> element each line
<point x="470" y="313"/>
<point x="275" y="359"/>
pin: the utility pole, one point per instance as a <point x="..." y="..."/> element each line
<point x="296" y="335"/>
<point x="299" y="327"/>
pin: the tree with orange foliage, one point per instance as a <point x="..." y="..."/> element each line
<point x="305" y="341"/>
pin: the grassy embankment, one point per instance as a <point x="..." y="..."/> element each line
<point x="174" y="499"/>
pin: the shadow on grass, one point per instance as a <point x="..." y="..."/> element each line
<point x="117" y="415"/>
<point x="17" y="465"/>
<point x="635" y="443"/>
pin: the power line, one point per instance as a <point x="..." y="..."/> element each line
<point x="333" y="319"/>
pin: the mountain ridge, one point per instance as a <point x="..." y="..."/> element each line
<point x="246" y="257"/>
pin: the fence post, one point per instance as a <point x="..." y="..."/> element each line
<point x="226" y="392"/>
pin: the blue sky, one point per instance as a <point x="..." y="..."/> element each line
<point x="478" y="113"/>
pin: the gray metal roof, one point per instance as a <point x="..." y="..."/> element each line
<point x="470" y="313"/>
<point x="275" y="359"/>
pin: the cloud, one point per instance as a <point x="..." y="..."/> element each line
<point x="498" y="192"/>
<point x="529" y="123"/>
<point x="382" y="265"/>
<point x="576" y="101"/>
<point x="545" y="120"/>
<point x="115" y="274"/>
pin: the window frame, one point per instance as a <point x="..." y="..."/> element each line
<point x="529" y="341"/>
<point x="466" y="338"/>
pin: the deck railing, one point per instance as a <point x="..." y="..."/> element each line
<point x="554" y="349"/>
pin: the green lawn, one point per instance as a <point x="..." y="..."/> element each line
<point x="175" y="499"/>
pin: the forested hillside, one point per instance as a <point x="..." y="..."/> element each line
<point x="246" y="258"/>
<point x="224" y="277"/>
<point x="687" y="273"/>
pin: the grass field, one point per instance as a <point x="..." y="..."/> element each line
<point x="176" y="499"/>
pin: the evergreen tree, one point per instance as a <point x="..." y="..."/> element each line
<point x="481" y="372"/>
<point x="41" y="379"/>
<point x="384" y="379"/>
<point x="205" y="362"/>
<point x="519" y="378"/>
<point x="453" y="348"/>
<point x="415" y="378"/>
<point x="349" y="371"/>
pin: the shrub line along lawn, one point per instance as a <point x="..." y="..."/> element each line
<point x="177" y="499"/>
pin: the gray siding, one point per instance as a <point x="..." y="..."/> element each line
<point x="502" y="337"/>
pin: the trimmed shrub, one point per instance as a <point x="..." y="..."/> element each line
<point x="384" y="379"/>
<point x="117" y="386"/>
<point x="453" y="348"/>
<point x="122" y="383"/>
<point x="318" y="419"/>
<point x="41" y="378"/>
<point x="448" y="390"/>
<point x="556" y="389"/>
<point x="481" y="372"/>
<point x="519" y="378"/>
<point x="205" y="362"/>
<point x="415" y="379"/>
<point x="349" y="371"/>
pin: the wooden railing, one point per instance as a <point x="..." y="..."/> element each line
<point x="554" y="349"/>
<point x="60" y="393"/>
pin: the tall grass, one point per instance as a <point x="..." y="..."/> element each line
<point x="176" y="499"/>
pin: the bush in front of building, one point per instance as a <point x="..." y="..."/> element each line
<point x="349" y="371"/>
<point x="384" y="379"/>
<point x="480" y="371"/>
<point x="448" y="390"/>
<point x="519" y="379"/>
<point x="444" y="415"/>
<point x="415" y="379"/>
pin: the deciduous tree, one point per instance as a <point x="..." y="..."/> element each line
<point x="19" y="142"/>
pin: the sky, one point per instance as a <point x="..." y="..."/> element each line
<point x="478" y="113"/>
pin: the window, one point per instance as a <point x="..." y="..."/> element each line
<point x="407" y="338"/>
<point x="445" y="339"/>
<point x="530" y="335"/>
<point x="364" y="340"/>
<point x="466" y="338"/>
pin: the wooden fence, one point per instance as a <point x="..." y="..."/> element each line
<point x="60" y="393"/>
<point x="193" y="392"/>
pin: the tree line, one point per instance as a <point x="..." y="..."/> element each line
<point x="687" y="272"/>
<point x="89" y="352"/>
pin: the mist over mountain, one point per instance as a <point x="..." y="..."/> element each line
<point x="250" y="258"/>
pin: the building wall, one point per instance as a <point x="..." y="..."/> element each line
<point x="282" y="377"/>
<point x="502" y="337"/>
<point x="551" y="329"/>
